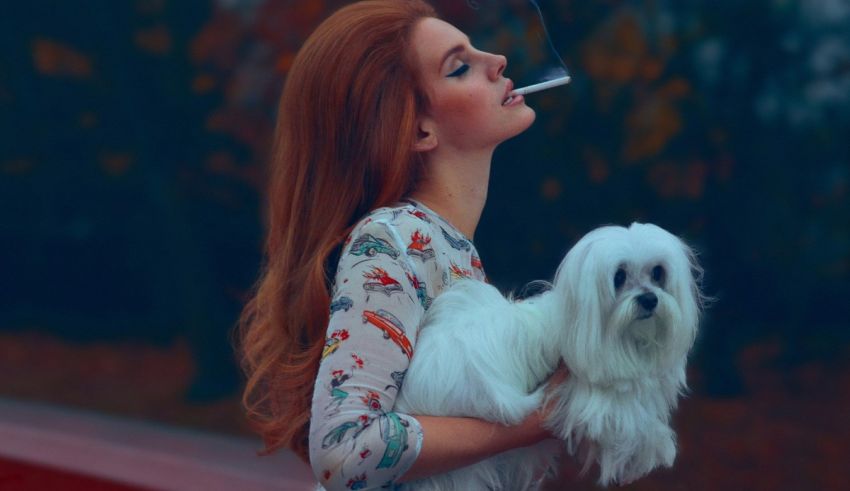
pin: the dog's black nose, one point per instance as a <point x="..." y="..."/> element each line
<point x="648" y="301"/>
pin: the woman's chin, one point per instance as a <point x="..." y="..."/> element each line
<point x="525" y="117"/>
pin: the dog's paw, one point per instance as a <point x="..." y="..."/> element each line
<point x="667" y="450"/>
<point x="659" y="448"/>
<point x="655" y="452"/>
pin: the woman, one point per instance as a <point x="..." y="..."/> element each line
<point x="387" y="126"/>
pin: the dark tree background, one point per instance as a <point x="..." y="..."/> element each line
<point x="134" y="139"/>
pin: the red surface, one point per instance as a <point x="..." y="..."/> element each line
<point x="20" y="476"/>
<point x="788" y="431"/>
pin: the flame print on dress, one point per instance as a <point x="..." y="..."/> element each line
<point x="383" y="282"/>
<point x="421" y="291"/>
<point x="418" y="246"/>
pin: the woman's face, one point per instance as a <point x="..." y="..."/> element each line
<point x="466" y="90"/>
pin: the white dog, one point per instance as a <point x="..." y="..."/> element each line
<point x="622" y="314"/>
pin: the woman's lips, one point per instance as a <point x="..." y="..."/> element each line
<point x="513" y="101"/>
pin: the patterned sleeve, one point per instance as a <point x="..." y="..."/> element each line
<point x="356" y="440"/>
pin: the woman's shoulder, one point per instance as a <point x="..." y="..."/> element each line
<point x="400" y="218"/>
<point x="403" y="226"/>
<point x="420" y="231"/>
<point x="421" y="239"/>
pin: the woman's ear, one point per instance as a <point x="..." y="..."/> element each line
<point x="426" y="137"/>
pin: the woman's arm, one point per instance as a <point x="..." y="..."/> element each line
<point x="450" y="443"/>
<point x="356" y="440"/>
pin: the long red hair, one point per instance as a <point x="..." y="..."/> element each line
<point x="342" y="147"/>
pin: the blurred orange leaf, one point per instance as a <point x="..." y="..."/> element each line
<point x="155" y="40"/>
<point x="115" y="164"/>
<point x="551" y="188"/>
<point x="57" y="59"/>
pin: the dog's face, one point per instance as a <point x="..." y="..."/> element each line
<point x="631" y="303"/>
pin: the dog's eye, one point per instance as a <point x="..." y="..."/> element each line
<point x="658" y="274"/>
<point x="619" y="278"/>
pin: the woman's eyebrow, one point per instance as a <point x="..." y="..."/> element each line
<point x="454" y="50"/>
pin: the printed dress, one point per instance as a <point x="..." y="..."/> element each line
<point x="396" y="260"/>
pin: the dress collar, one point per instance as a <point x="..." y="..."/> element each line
<point x="421" y="206"/>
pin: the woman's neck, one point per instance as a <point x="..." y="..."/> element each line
<point x="455" y="187"/>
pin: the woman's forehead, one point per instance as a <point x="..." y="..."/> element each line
<point x="434" y="39"/>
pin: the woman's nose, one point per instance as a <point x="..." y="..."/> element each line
<point x="497" y="66"/>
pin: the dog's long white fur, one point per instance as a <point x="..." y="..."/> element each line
<point x="480" y="354"/>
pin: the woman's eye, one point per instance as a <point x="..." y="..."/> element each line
<point x="460" y="71"/>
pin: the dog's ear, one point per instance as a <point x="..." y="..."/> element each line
<point x="684" y="277"/>
<point x="686" y="287"/>
<point x="578" y="284"/>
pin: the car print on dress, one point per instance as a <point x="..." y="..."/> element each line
<point x="342" y="303"/>
<point x="420" y="215"/>
<point x="336" y="435"/>
<point x="457" y="272"/>
<point x="340" y="432"/>
<point x="331" y="345"/>
<point x="394" y="433"/>
<point x="383" y="283"/>
<point x="392" y="328"/>
<point x="396" y="213"/>
<point x="421" y="292"/>
<point x="398" y="379"/>
<point x="459" y="244"/>
<point x="371" y="246"/>
<point x="333" y="341"/>
<point x="418" y="246"/>
<point x="357" y="482"/>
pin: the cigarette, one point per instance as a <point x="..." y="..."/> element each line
<point x="542" y="86"/>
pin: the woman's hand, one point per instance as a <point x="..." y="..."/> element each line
<point x="453" y="442"/>
<point x="558" y="377"/>
<point x="533" y="424"/>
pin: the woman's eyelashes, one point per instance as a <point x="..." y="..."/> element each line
<point x="460" y="71"/>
